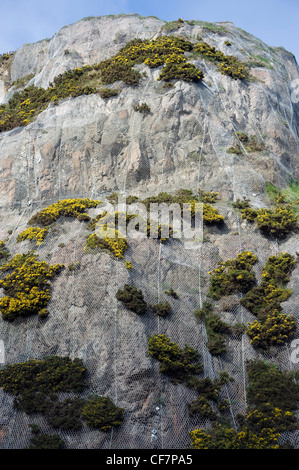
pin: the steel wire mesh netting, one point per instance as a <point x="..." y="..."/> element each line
<point x="88" y="322"/>
<point x="91" y="324"/>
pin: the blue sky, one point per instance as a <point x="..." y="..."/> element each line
<point x="273" y="21"/>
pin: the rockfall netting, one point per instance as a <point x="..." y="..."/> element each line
<point x="88" y="322"/>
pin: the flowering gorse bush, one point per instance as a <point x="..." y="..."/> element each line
<point x="272" y="397"/>
<point x="186" y="196"/>
<point x="278" y="222"/>
<point x="114" y="244"/>
<point x="167" y="51"/>
<point x="208" y="196"/>
<point x="222" y="437"/>
<point x="274" y="331"/>
<point x="272" y="327"/>
<point x="26" y="286"/>
<point x="62" y="208"/>
<point x="234" y="275"/>
<point x="101" y="413"/>
<point x="33" y="233"/>
<point x="179" y="363"/>
<point x="227" y="64"/>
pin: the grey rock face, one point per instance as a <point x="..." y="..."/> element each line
<point x="88" y="142"/>
<point x="89" y="147"/>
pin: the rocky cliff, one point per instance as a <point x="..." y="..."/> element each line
<point x="221" y="134"/>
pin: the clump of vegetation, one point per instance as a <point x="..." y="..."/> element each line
<point x="131" y="199"/>
<point x="172" y="293"/>
<point x="132" y="298"/>
<point x="161" y="309"/>
<point x="128" y="265"/>
<point x="269" y="384"/>
<point x="251" y="143"/>
<point x="101" y="413"/>
<point x="217" y="329"/>
<point x="242" y="204"/>
<point x="26" y="285"/>
<point x="142" y="108"/>
<point x="233" y="276"/>
<point x="208" y="196"/>
<point x="272" y="327"/>
<point x="181" y="71"/>
<point x="278" y="222"/>
<point x="249" y="214"/>
<point x="74" y="267"/>
<point x="202" y="408"/>
<point x="183" y="366"/>
<point x="156" y="230"/>
<point x="168" y="51"/>
<point x="113" y="242"/>
<point x="208" y="391"/>
<point x="180" y="364"/>
<point x="172" y="25"/>
<point x="66" y="415"/>
<point x="33" y="233"/>
<point x="236" y="150"/>
<point x="275" y="330"/>
<point x="288" y="196"/>
<point x="212" y="216"/>
<point x="264" y="299"/>
<point x="271" y="417"/>
<point x="227" y="65"/>
<point x="40" y="440"/>
<point x="4" y="253"/>
<point x="35" y="383"/>
<point x="5" y="57"/>
<point x="153" y="53"/>
<point x="83" y="217"/>
<point x="108" y="92"/>
<point x="25" y="105"/>
<point x="22" y="82"/>
<point x="167" y="85"/>
<point x="107" y="237"/>
<point x="273" y="397"/>
<point x="106" y="221"/>
<point x="272" y="191"/>
<point x="63" y="208"/>
<point x="278" y="268"/>
<point x="186" y="196"/>
<point x="223" y="437"/>
<point x="113" y="199"/>
<point x="212" y="27"/>
<point x="291" y="195"/>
